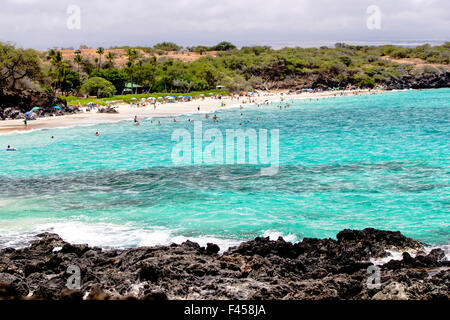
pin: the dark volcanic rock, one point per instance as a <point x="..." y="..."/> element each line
<point x="14" y="104"/>
<point x="257" y="269"/>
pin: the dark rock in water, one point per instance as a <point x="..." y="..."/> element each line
<point x="257" y="269"/>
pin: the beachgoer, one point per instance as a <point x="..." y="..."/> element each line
<point x="97" y="134"/>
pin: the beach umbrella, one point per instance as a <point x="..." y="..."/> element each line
<point x="202" y="95"/>
<point x="56" y="107"/>
<point x="211" y="94"/>
<point x="29" y="113"/>
<point x="35" y="108"/>
<point x="160" y="98"/>
<point x="180" y="97"/>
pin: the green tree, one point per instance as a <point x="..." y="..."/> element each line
<point x="223" y="46"/>
<point x="71" y="82"/>
<point x="118" y="77"/>
<point x="99" y="87"/>
<point x="78" y="60"/>
<point x="132" y="56"/>
<point x="100" y="52"/>
<point x="167" y="46"/>
<point x="59" y="67"/>
<point x="110" y="57"/>
<point x="17" y="65"/>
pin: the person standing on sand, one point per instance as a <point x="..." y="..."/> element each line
<point x="25" y="122"/>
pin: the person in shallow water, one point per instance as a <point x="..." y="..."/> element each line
<point x="97" y="134"/>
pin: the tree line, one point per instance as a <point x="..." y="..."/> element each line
<point x="236" y="69"/>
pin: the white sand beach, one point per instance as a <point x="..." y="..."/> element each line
<point x="126" y="111"/>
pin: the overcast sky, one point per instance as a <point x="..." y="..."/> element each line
<point x="42" y="24"/>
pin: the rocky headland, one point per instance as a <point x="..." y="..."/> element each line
<point x="258" y="269"/>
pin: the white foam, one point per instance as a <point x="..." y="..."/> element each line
<point x="104" y="235"/>
<point x="398" y="255"/>
<point x="274" y="235"/>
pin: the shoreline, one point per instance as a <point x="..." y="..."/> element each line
<point x="126" y="112"/>
<point x="260" y="269"/>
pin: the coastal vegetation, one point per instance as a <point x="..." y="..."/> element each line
<point x="147" y="70"/>
<point x="74" y="100"/>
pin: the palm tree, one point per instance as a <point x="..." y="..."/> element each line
<point x="78" y="60"/>
<point x="56" y="59"/>
<point x="110" y="57"/>
<point x="132" y="56"/>
<point x="100" y="52"/>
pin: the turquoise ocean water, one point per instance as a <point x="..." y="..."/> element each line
<point x="379" y="161"/>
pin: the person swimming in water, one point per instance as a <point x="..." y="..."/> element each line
<point x="206" y="116"/>
<point x="97" y="134"/>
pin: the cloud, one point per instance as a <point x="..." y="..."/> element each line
<point x="43" y="23"/>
